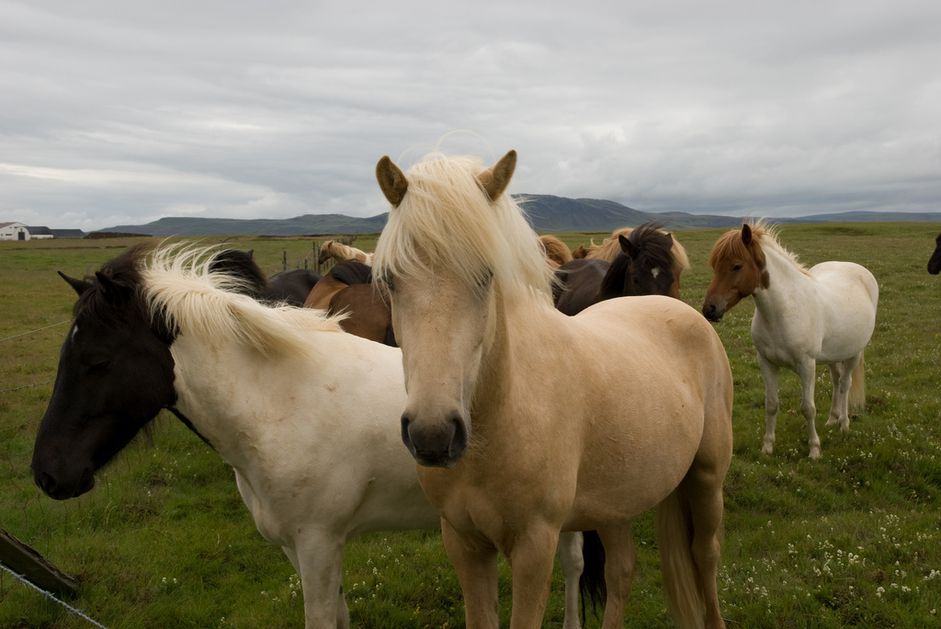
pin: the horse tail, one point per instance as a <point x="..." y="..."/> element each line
<point x="591" y="584"/>
<point x="675" y="536"/>
<point x="857" y="398"/>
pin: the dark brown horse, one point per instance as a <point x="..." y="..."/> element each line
<point x="644" y="266"/>
<point x="934" y="264"/>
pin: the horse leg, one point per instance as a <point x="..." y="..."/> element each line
<point x="320" y="563"/>
<point x="769" y="373"/>
<point x="475" y="562"/>
<point x="618" y="572"/>
<point x="836" y="375"/>
<point x="806" y="370"/>
<point x="848" y="366"/>
<point x="702" y="489"/>
<point x="531" y="557"/>
<point x="570" y="556"/>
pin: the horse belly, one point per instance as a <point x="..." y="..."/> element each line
<point x="850" y="299"/>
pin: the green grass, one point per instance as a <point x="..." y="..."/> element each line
<point x="853" y="539"/>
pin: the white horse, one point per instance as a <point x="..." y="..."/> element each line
<point x="803" y="316"/>
<point x="304" y="413"/>
<point x="514" y="448"/>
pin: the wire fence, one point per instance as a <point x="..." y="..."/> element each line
<point x="72" y="610"/>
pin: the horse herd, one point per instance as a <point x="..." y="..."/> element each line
<point x="512" y="458"/>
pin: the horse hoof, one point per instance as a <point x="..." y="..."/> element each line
<point x="815" y="452"/>
<point x="767" y="448"/>
<point x="833" y="421"/>
<point x="845" y="426"/>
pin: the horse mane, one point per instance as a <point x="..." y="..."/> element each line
<point x="555" y="249"/>
<point x="344" y="252"/>
<point x="610" y="248"/>
<point x="179" y="284"/>
<point x="351" y="272"/>
<point x="241" y="264"/>
<point x="445" y="220"/>
<point x="764" y="235"/>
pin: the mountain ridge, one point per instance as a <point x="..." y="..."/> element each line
<point x="547" y="213"/>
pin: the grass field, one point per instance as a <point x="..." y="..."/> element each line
<point x="853" y="539"/>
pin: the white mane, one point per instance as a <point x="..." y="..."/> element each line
<point x="445" y="220"/>
<point x="179" y="284"/>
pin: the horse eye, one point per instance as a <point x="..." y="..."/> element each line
<point x="485" y="279"/>
<point x="389" y="284"/>
<point x="737" y="267"/>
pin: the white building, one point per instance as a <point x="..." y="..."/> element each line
<point x="13" y="231"/>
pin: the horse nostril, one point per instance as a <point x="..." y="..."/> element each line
<point x="45" y="482"/>
<point x="406" y="436"/>
<point x="458" y="438"/>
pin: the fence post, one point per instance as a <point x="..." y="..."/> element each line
<point x="284" y="260"/>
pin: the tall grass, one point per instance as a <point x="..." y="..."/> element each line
<point x="853" y="539"/>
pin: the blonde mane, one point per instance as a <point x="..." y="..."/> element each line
<point x="180" y="285"/>
<point x="557" y="251"/>
<point x="764" y="235"/>
<point x="339" y="252"/>
<point x="445" y="220"/>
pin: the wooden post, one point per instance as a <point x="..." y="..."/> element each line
<point x="23" y="560"/>
<point x="284" y="260"/>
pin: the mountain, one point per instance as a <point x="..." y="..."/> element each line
<point x="547" y="213"/>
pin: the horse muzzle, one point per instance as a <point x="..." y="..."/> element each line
<point x="712" y="312"/>
<point x="440" y="444"/>
<point x="61" y="488"/>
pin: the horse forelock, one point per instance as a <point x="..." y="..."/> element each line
<point x="446" y="221"/>
<point x="655" y="244"/>
<point x="180" y="285"/>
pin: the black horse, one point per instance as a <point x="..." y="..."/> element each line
<point x="290" y="287"/>
<point x="643" y="267"/>
<point x="934" y="264"/>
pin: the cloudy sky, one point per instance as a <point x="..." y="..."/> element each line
<point x="124" y="111"/>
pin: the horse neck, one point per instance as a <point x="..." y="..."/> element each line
<point x="788" y="283"/>
<point x="518" y="324"/>
<point x="228" y="406"/>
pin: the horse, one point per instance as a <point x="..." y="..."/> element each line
<point x="644" y="266"/>
<point x="348" y="289"/>
<point x="509" y="452"/>
<point x="280" y="393"/>
<point x="934" y="264"/>
<point x="611" y="247"/>
<point x="557" y="252"/>
<point x="290" y="287"/>
<point x="335" y="250"/>
<point x="824" y="314"/>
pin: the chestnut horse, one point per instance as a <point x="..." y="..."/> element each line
<point x="335" y="250"/>
<point x="510" y="452"/>
<point x="802" y="316"/>
<point x="557" y="252"/>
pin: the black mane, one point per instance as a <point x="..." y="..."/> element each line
<point x="352" y="272"/>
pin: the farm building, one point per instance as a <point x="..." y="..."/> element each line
<point x="19" y="231"/>
<point x="14" y="231"/>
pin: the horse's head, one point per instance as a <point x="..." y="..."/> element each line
<point x="645" y="264"/>
<point x="579" y="252"/>
<point x="326" y="252"/>
<point x="115" y="374"/>
<point x="738" y="270"/>
<point x="439" y="258"/>
<point x="934" y="264"/>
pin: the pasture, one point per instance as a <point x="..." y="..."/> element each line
<point x="853" y="539"/>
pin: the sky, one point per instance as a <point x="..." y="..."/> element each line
<point x="125" y="111"/>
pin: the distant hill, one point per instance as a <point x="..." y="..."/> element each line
<point x="547" y="213"/>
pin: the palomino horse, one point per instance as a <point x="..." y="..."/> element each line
<point x="509" y="451"/>
<point x="340" y="252"/>
<point x="157" y="330"/>
<point x="934" y="264"/>
<point x="803" y="316"/>
<point x="644" y="266"/>
<point x="557" y="252"/>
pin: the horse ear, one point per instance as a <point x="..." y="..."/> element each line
<point x="496" y="178"/>
<point x="79" y="286"/>
<point x="108" y="286"/>
<point x="627" y="246"/>
<point x="746" y="234"/>
<point x="669" y="238"/>
<point x="392" y="180"/>
<point x="251" y="254"/>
